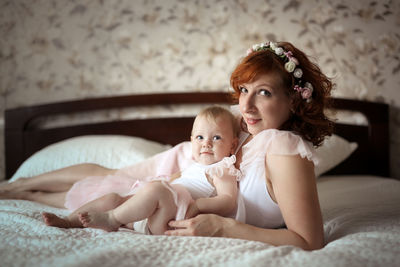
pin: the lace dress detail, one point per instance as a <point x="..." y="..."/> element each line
<point x="277" y="142"/>
<point x="195" y="180"/>
<point x="225" y="166"/>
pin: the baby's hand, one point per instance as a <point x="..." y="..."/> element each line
<point x="192" y="210"/>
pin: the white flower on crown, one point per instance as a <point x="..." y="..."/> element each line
<point x="309" y="86"/>
<point x="273" y="45"/>
<point x="298" y="73"/>
<point x="290" y="66"/>
<point x="279" y="51"/>
<point x="256" y="47"/>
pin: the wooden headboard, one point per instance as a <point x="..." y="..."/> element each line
<point x="23" y="137"/>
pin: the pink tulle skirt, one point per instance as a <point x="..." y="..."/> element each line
<point x="128" y="180"/>
<point x="95" y="187"/>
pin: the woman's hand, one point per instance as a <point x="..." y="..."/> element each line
<point x="201" y="225"/>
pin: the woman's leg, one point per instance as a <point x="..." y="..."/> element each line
<point x="57" y="181"/>
<point x="154" y="201"/>
<point x="52" y="199"/>
<point x="104" y="203"/>
<point x="43" y="188"/>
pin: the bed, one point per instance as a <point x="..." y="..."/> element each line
<point x="359" y="202"/>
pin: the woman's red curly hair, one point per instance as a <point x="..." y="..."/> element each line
<point x="308" y="118"/>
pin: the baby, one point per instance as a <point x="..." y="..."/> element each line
<point x="207" y="186"/>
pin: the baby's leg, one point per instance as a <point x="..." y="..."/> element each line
<point x="99" y="220"/>
<point x="103" y="203"/>
<point x="154" y="201"/>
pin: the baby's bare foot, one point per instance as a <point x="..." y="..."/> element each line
<point x="99" y="220"/>
<point x="51" y="219"/>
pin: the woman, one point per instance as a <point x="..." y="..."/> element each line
<point x="282" y="96"/>
<point x="278" y="88"/>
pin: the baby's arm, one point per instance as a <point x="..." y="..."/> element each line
<point x="223" y="203"/>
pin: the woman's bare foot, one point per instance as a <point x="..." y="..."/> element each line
<point x="100" y="220"/>
<point x="13" y="186"/>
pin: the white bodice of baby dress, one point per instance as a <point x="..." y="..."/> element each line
<point x="261" y="210"/>
<point x="194" y="179"/>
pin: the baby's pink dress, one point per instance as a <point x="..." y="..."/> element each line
<point x="125" y="181"/>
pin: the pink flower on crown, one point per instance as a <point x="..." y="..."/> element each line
<point x="293" y="59"/>
<point x="297" y="88"/>
<point x="306" y="93"/>
<point x="288" y="54"/>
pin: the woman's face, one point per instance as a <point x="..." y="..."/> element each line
<point x="263" y="103"/>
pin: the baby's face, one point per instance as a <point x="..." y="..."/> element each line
<point x="212" y="141"/>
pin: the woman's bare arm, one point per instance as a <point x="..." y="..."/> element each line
<point x="295" y="191"/>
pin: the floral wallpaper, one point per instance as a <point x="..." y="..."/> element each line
<point x="53" y="50"/>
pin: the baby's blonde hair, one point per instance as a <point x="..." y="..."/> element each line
<point x="214" y="112"/>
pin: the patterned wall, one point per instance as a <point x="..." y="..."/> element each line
<point x="54" y="50"/>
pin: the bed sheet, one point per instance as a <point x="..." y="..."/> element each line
<point x="361" y="224"/>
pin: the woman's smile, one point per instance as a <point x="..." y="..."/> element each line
<point x="251" y="121"/>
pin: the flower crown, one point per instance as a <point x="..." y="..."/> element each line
<point x="291" y="66"/>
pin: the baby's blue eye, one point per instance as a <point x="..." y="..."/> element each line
<point x="217" y="137"/>
<point x="199" y="137"/>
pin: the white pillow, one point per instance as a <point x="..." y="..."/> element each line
<point x="333" y="151"/>
<point x="112" y="151"/>
<point x="117" y="151"/>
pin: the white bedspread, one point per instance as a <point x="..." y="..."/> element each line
<point x="362" y="228"/>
